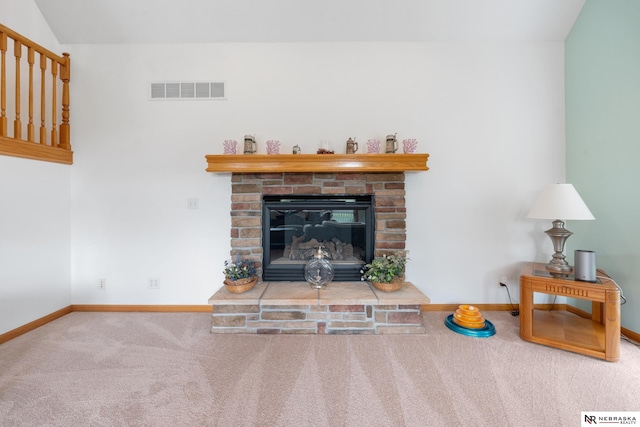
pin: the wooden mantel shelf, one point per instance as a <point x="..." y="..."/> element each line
<point x="265" y="163"/>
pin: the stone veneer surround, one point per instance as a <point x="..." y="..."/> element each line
<point x="246" y="204"/>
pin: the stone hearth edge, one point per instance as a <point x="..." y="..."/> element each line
<point x="296" y="308"/>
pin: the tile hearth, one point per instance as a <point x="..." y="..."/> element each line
<point x="296" y="308"/>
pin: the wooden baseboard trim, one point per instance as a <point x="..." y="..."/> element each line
<point x="34" y="325"/>
<point x="143" y="308"/>
<point x="578" y="311"/>
<point x="500" y="307"/>
<point x="207" y="309"/>
<point x="633" y="336"/>
<point x="481" y="307"/>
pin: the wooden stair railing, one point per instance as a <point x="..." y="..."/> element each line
<point x="53" y="143"/>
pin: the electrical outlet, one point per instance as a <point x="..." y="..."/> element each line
<point x="102" y="284"/>
<point x="193" y="203"/>
<point x="503" y="280"/>
<point x="153" y="284"/>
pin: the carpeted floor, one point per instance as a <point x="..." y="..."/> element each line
<point x="166" y="369"/>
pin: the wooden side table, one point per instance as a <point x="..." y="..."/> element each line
<point x="597" y="337"/>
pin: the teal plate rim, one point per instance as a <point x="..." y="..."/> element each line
<point x="488" y="330"/>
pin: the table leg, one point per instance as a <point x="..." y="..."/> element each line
<point x="597" y="312"/>
<point x="612" y="325"/>
<point x="526" y="309"/>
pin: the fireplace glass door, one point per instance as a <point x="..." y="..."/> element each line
<point x="293" y="226"/>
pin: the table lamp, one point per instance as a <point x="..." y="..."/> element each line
<point x="559" y="202"/>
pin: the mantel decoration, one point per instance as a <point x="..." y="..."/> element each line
<point x="273" y="146"/>
<point x="410" y="146"/>
<point x="240" y="276"/>
<point x="230" y="146"/>
<point x="250" y="144"/>
<point x="386" y="273"/>
<point x="325" y="151"/>
<point x="352" y="146"/>
<point x="392" y="144"/>
<point x="373" y="146"/>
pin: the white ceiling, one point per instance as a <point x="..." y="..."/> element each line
<point x="205" y="21"/>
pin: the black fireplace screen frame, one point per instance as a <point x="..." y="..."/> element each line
<point x="282" y="204"/>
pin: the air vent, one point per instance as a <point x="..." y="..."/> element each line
<point x="187" y="90"/>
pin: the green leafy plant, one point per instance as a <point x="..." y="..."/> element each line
<point x="383" y="269"/>
<point x="241" y="269"/>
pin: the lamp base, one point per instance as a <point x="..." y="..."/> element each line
<point x="559" y="270"/>
<point x="558" y="266"/>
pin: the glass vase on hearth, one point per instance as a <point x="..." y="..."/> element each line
<point x="318" y="272"/>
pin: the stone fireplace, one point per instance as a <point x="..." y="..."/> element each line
<point x="388" y="217"/>
<point x="361" y="195"/>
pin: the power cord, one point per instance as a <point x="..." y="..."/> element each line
<point x="624" y="300"/>
<point x="514" y="310"/>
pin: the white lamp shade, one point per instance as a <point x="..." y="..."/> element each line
<point x="560" y="201"/>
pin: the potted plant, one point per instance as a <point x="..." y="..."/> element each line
<point x="386" y="273"/>
<point x="240" y="276"/>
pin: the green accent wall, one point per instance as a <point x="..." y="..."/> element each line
<point x="602" y="80"/>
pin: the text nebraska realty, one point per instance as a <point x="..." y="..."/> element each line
<point x="612" y="419"/>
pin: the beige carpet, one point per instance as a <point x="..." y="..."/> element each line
<point x="166" y="369"/>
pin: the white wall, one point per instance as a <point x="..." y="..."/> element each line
<point x="490" y="115"/>
<point x="35" y="268"/>
<point x="35" y="234"/>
